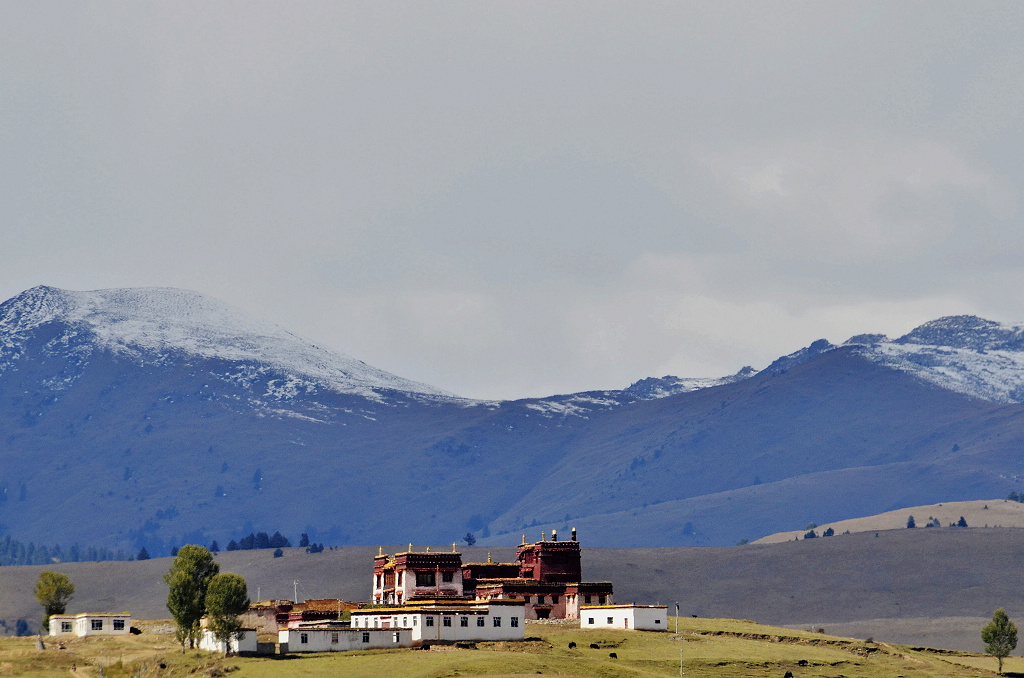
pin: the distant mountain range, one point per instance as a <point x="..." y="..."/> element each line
<point x="158" y="416"/>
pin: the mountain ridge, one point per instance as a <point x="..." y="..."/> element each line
<point x="112" y="436"/>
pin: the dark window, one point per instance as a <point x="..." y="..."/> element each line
<point x="540" y="600"/>
<point x="609" y="620"/>
<point x="464" y="621"/>
<point x="366" y="636"/>
<point x="657" y="621"/>
<point x="65" y="627"/>
<point x="526" y="599"/>
<point x="119" y="625"/>
<point x="514" y="622"/>
<point x="448" y="577"/>
<point x="425" y="579"/>
<point x="334" y="638"/>
<point x="496" y="621"/>
<point x="446" y="621"/>
<point x="303" y="638"/>
<point x="600" y="600"/>
<point x="430" y="621"/>
<point x="479" y="621"/>
<point x="554" y="599"/>
<point x="590" y="620"/>
<point x="586" y="600"/>
<point x="395" y="637"/>
<point x="97" y="624"/>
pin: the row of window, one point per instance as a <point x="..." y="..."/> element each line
<point x="304" y="638"/>
<point x="464" y="621"/>
<point x="97" y="625"/>
<point x="422" y="579"/>
<point x="590" y="620"/>
<point x="446" y="620"/>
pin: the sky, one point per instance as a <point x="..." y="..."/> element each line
<point x="512" y="199"/>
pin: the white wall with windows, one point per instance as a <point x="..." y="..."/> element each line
<point x="318" y="637"/>
<point x="442" y="623"/>
<point x="638" y="617"/>
<point x="91" y="624"/>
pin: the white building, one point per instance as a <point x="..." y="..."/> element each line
<point x="639" y="617"/>
<point x="333" y="637"/>
<point x="245" y="641"/>
<point x="449" y="621"/>
<point x="91" y="624"/>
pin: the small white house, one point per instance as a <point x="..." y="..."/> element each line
<point x="326" y="636"/>
<point x="91" y="624"/>
<point x="245" y="641"/>
<point x="638" y="617"/>
<point x="450" y="621"/>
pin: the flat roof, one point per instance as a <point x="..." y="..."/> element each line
<point x="610" y="607"/>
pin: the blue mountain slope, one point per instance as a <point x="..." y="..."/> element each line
<point x="155" y="417"/>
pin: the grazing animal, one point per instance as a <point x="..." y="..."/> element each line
<point x="595" y="646"/>
<point x="613" y="655"/>
<point x="789" y="674"/>
<point x="572" y="643"/>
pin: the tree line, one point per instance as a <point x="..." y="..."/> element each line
<point x="14" y="552"/>
<point x="258" y="540"/>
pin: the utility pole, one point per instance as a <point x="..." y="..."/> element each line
<point x="295" y="596"/>
<point x="680" y="646"/>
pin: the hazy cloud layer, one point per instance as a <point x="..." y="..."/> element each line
<point x="509" y="199"/>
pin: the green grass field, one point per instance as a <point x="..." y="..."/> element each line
<point x="722" y="648"/>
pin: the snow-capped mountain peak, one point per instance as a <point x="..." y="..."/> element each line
<point x="967" y="332"/>
<point x="964" y="353"/>
<point x="156" y="322"/>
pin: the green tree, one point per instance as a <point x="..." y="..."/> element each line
<point x="1000" y="636"/>
<point x="187" y="581"/>
<point x="226" y="598"/>
<point x="53" y="591"/>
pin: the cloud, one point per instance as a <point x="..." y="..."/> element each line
<point x="517" y="198"/>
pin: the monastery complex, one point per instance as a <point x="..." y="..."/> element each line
<point x="545" y="577"/>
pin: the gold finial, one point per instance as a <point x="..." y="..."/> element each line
<point x="488" y="556"/>
<point x="428" y="549"/>
<point x="524" y="540"/>
<point x="380" y="550"/>
<point x="453" y="547"/>
<point x="542" y="537"/>
<point x="410" y="547"/>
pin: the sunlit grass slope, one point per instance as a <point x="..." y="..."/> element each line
<point x="708" y="647"/>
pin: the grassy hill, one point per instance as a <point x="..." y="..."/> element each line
<point x="978" y="513"/>
<point x="923" y="587"/>
<point x="721" y="648"/>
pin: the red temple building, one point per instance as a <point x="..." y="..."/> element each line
<point x="546" y="577"/>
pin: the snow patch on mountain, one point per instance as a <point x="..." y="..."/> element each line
<point x="966" y="354"/>
<point x="153" y="323"/>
